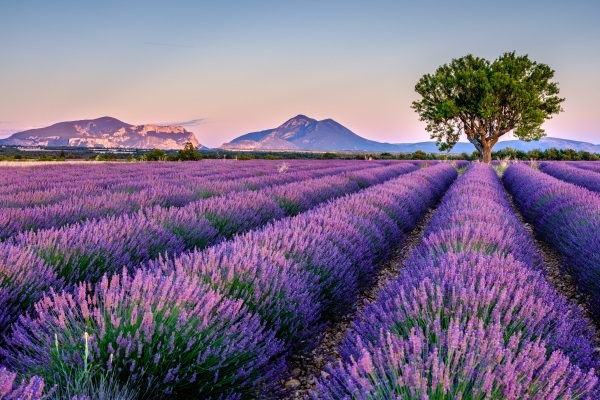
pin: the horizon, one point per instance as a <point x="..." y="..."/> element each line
<point x="507" y="137"/>
<point x="224" y="70"/>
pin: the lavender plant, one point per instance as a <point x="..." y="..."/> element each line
<point x="458" y="361"/>
<point x="86" y="252"/>
<point x="471" y="316"/>
<point x="24" y="278"/>
<point x="281" y="271"/>
<point x="11" y="390"/>
<point x="588" y="165"/>
<point x="570" y="173"/>
<point x="162" y="334"/>
<point x="71" y="195"/>
<point x="567" y="217"/>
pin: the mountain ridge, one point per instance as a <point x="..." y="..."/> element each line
<point x="105" y="132"/>
<point x="304" y="133"/>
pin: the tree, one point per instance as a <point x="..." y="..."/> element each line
<point x="188" y="153"/>
<point x="486" y="100"/>
<point x="155" y="155"/>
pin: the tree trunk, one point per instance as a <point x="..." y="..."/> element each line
<point x="487" y="154"/>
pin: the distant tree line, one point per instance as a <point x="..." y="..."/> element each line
<point x="190" y="153"/>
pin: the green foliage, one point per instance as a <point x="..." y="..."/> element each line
<point x="545" y="155"/>
<point x="104" y="157"/>
<point x="419" y="155"/>
<point x="188" y="153"/>
<point x="86" y="382"/>
<point x="155" y="155"/>
<point x="486" y="100"/>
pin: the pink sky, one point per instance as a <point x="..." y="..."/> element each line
<point x="253" y="66"/>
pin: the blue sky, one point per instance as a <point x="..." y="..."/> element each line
<point x="231" y="67"/>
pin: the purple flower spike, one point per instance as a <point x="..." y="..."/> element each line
<point x="568" y="218"/>
<point x="570" y="172"/>
<point x="209" y="346"/>
<point x="32" y="390"/>
<point x="471" y="315"/>
<point x="24" y="278"/>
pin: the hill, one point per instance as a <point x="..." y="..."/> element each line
<point x="105" y="132"/>
<point x="304" y="133"/>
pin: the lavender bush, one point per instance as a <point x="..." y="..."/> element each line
<point x="10" y="390"/>
<point x="470" y="361"/>
<point x="24" y="278"/>
<point x="296" y="271"/>
<point x="276" y="286"/>
<point x="570" y="173"/>
<point x="160" y="334"/>
<point x="60" y="199"/>
<point x="471" y="315"/>
<point x="587" y="165"/>
<point x="567" y="217"/>
<point x="86" y="252"/>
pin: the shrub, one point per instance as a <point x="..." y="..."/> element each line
<point x="163" y="334"/>
<point x="24" y="278"/>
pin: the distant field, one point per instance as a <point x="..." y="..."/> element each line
<point x="323" y="279"/>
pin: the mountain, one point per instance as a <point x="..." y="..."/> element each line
<point x="548" y="143"/>
<point x="466" y="147"/>
<point x="304" y="133"/>
<point x="104" y="132"/>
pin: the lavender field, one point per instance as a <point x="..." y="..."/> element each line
<point x="325" y="279"/>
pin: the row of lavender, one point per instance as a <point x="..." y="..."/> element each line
<point x="55" y="182"/>
<point x="471" y="316"/>
<point x="579" y="173"/>
<point x="34" y="262"/>
<point x="132" y="196"/>
<point x="220" y="323"/>
<point x="567" y="217"/>
<point x="588" y="165"/>
<point x="49" y="185"/>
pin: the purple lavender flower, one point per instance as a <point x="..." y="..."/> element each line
<point x="86" y="252"/>
<point x="296" y="271"/>
<point x="9" y="390"/>
<point x="568" y="218"/>
<point x="457" y="361"/>
<point x="471" y="315"/>
<point x="24" y="278"/>
<point x="209" y="346"/>
<point x="572" y="174"/>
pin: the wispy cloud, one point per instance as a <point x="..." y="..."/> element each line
<point x="168" y="45"/>
<point x="191" y="122"/>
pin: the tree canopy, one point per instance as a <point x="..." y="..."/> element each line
<point x="486" y="100"/>
<point x="189" y="153"/>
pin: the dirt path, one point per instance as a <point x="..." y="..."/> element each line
<point x="306" y="368"/>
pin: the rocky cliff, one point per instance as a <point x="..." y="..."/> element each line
<point x="104" y="132"/>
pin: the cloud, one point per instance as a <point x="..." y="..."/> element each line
<point x="168" y="45"/>
<point x="191" y="122"/>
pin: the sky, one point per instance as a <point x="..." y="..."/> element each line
<point x="225" y="68"/>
